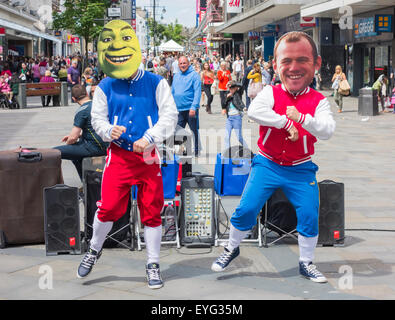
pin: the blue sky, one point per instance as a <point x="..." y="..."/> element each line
<point x="183" y="10"/>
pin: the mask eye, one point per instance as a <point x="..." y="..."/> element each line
<point x="127" y="38"/>
<point x="105" y="40"/>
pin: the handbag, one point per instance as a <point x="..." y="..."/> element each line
<point x="344" y="88"/>
<point x="254" y="88"/>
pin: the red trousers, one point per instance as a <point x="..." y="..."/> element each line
<point x="123" y="170"/>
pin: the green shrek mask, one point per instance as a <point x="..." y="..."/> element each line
<point x="119" y="52"/>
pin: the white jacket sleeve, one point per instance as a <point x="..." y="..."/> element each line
<point x="261" y="111"/>
<point x="322" y="125"/>
<point x="168" y="115"/>
<point x="99" y="115"/>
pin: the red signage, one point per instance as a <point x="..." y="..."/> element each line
<point x="307" y="22"/>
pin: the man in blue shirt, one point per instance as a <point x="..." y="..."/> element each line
<point x="82" y="141"/>
<point x="186" y="90"/>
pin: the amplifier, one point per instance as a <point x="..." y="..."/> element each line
<point x="197" y="218"/>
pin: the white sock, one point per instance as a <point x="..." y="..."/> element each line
<point x="100" y="232"/>
<point x="306" y="248"/>
<point x="153" y="238"/>
<point x="235" y="238"/>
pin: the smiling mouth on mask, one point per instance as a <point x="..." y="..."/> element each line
<point x="118" y="59"/>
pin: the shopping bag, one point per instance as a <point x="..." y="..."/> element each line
<point x="344" y="88"/>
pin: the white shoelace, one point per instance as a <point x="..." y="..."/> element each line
<point x="313" y="270"/>
<point x="224" y="257"/>
<point x="89" y="260"/>
<point x="153" y="274"/>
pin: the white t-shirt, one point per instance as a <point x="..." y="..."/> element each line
<point x="238" y="66"/>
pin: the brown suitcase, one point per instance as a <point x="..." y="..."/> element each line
<point x="23" y="175"/>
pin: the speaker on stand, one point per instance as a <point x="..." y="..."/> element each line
<point x="331" y="213"/>
<point x="62" y="220"/>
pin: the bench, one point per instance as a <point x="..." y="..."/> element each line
<point x="43" y="89"/>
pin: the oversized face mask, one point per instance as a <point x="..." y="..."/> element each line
<point x="119" y="52"/>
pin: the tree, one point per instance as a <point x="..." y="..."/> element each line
<point x="82" y="17"/>
<point x="156" y="31"/>
<point x="174" y="31"/>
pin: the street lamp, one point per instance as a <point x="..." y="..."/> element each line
<point x="154" y="7"/>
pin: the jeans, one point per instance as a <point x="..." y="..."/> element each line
<point x="236" y="123"/>
<point x="193" y="122"/>
<point x="78" y="151"/>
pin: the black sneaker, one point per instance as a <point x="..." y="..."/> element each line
<point x="224" y="259"/>
<point x="153" y="276"/>
<point x="88" y="262"/>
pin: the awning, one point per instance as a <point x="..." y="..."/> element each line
<point x="330" y="8"/>
<point x="266" y="13"/>
<point x="17" y="27"/>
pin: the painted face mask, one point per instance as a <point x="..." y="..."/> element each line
<point x="119" y="52"/>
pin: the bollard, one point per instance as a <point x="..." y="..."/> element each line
<point x="368" y="102"/>
<point x="64" y="96"/>
<point x="22" y="96"/>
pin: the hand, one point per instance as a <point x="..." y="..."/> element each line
<point x="65" y="138"/>
<point x="140" y="145"/>
<point x="293" y="134"/>
<point x="223" y="112"/>
<point x="117" y="131"/>
<point x="293" y="113"/>
<point x="192" y="113"/>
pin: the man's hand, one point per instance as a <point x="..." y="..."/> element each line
<point x="140" y="145"/>
<point x="293" y="113"/>
<point x="293" y="134"/>
<point x="65" y="138"/>
<point x="117" y="131"/>
<point x="192" y="113"/>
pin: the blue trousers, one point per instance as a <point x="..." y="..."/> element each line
<point x="236" y="123"/>
<point x="298" y="183"/>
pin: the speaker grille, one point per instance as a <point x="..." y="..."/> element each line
<point x="62" y="220"/>
<point x="331" y="218"/>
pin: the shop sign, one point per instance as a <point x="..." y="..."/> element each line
<point x="308" y="21"/>
<point x="58" y="33"/>
<point x="384" y="23"/>
<point x="233" y="6"/>
<point x="69" y="39"/>
<point x="2" y="31"/>
<point x="365" y="27"/>
<point x="254" y="35"/>
<point x="76" y="40"/>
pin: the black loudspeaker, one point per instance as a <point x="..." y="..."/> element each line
<point x="331" y="219"/>
<point x="62" y="220"/>
<point x="92" y="190"/>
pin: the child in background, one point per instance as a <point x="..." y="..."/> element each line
<point x="234" y="111"/>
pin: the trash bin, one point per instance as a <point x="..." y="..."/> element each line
<point x="368" y="102"/>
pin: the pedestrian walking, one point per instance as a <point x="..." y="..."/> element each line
<point x="186" y="90"/>
<point x="338" y="76"/>
<point x="224" y="76"/>
<point x="208" y="80"/>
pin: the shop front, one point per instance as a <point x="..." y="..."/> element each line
<point x="371" y="53"/>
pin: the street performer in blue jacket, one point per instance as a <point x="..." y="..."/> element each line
<point x="132" y="109"/>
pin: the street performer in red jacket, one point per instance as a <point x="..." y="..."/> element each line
<point x="291" y="117"/>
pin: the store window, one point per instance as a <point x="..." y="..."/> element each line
<point x="366" y="67"/>
<point x="380" y="61"/>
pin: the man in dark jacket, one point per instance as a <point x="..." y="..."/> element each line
<point x="234" y="111"/>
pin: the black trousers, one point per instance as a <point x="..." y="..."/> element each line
<point x="48" y="100"/>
